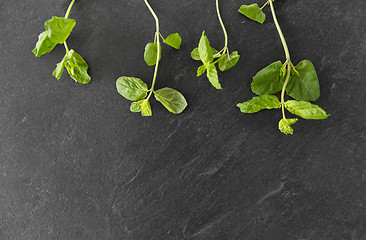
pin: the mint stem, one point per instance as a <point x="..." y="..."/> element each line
<point x="223" y="27"/>
<point x="67" y="16"/>
<point x="288" y="60"/>
<point x="158" y="45"/>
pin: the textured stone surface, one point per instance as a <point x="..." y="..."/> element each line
<point x="75" y="163"/>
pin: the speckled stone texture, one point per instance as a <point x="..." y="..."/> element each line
<point x="76" y="164"/>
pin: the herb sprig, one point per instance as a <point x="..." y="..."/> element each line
<point x="210" y="56"/>
<point x="57" y="31"/>
<point x="299" y="82"/>
<point x="136" y="90"/>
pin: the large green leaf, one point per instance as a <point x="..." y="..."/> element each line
<point x="59" y="28"/>
<point x="213" y="76"/>
<point x="225" y="63"/>
<point x="268" y="80"/>
<point x="131" y="88"/>
<point x="173" y="40"/>
<point x="305" y="110"/>
<point x="44" y="45"/>
<point x="253" y="12"/>
<point x="151" y="53"/>
<point x="77" y="67"/>
<point x="259" y="103"/>
<point x="305" y="86"/>
<point x="285" y="125"/>
<point x="204" y="49"/>
<point x="172" y="100"/>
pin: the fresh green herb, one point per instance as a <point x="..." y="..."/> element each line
<point x="57" y="31"/>
<point x="136" y="90"/>
<point x="299" y="82"/>
<point x="209" y="56"/>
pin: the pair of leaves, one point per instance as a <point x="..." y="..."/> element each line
<point x="151" y="49"/>
<point x="75" y="66"/>
<point x="303" y="85"/>
<point x="206" y="54"/>
<point x="253" y="12"/>
<point x="302" y="109"/>
<point x="57" y="31"/>
<point x="135" y="89"/>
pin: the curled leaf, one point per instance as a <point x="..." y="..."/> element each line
<point x="285" y="125"/>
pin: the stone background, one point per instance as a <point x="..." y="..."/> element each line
<point x="75" y="163"/>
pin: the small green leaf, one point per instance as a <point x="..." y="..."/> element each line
<point x="213" y="77"/>
<point x="151" y="53"/>
<point x="204" y="50"/>
<point x="59" y="69"/>
<point x="58" y="28"/>
<point x="268" y="80"/>
<point x="253" y="12"/>
<point x="305" y="110"/>
<point x="77" y="67"/>
<point x="136" y="106"/>
<point x="172" y="100"/>
<point x="305" y="86"/>
<point x="225" y="63"/>
<point x="146" y="108"/>
<point x="259" y="103"/>
<point x="285" y="125"/>
<point x="196" y="56"/>
<point x="44" y="45"/>
<point x="131" y="88"/>
<point x="201" y="70"/>
<point x="173" y="40"/>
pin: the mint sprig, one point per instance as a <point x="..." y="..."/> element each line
<point x="299" y="82"/>
<point x="136" y="90"/>
<point x="210" y="56"/>
<point x="57" y="30"/>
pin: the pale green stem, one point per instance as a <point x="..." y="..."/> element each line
<point x="69" y="9"/>
<point x="223" y="27"/>
<point x="284" y="90"/>
<point x="158" y="45"/>
<point x="67" y="16"/>
<point x="287" y="53"/>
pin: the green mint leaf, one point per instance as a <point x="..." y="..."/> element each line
<point x="196" y="55"/>
<point x="136" y="106"/>
<point x="59" y="69"/>
<point x="146" y="108"/>
<point x="305" y="86"/>
<point x="204" y="50"/>
<point x="259" y="103"/>
<point x="172" y="100"/>
<point x="225" y="63"/>
<point x="213" y="77"/>
<point x="44" y="45"/>
<point x="201" y="70"/>
<point x="77" y="67"/>
<point x="285" y="125"/>
<point x="253" y="12"/>
<point x="131" y="88"/>
<point x="151" y="53"/>
<point x="173" y="40"/>
<point x="305" y="110"/>
<point x="59" y="29"/>
<point x="268" y="80"/>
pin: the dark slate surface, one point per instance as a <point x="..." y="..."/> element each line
<point x="76" y="164"/>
